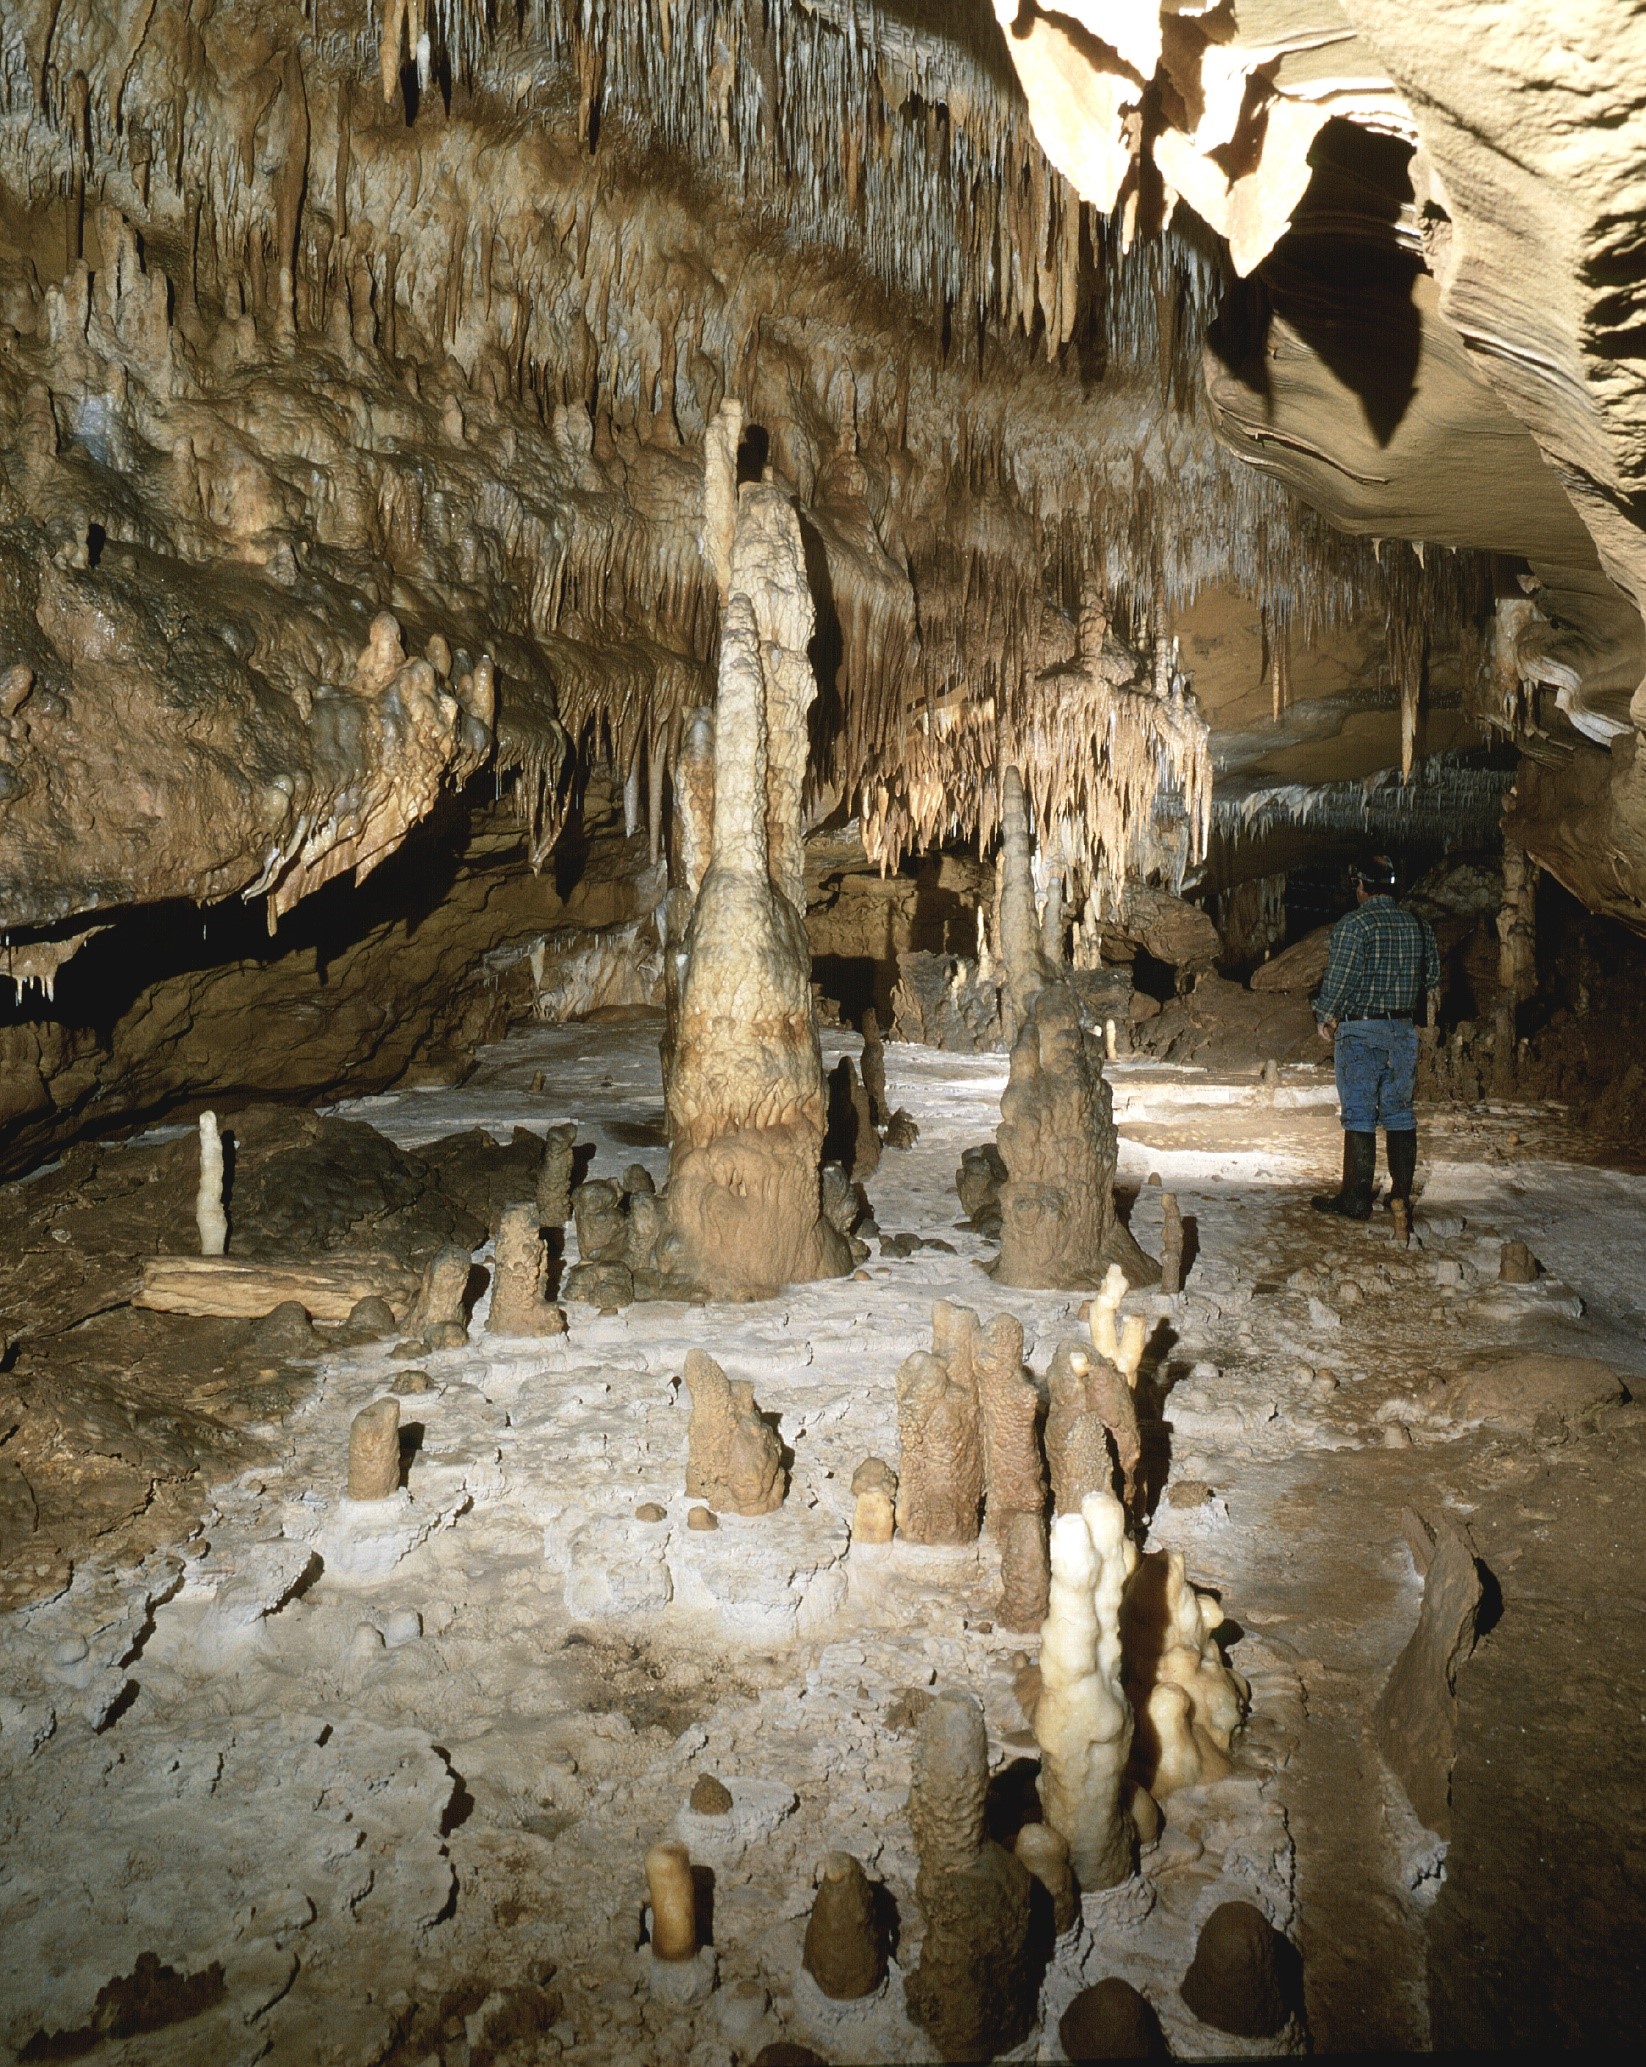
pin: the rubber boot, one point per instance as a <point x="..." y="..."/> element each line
<point x="1401" y="1150"/>
<point x="1354" y="1200"/>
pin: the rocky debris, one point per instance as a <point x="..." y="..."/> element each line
<point x="710" y="1796"/>
<point x="1416" y="1715"/>
<point x="975" y="1986"/>
<point x="1297" y="969"/>
<point x="944" y="1001"/>
<point x="484" y="1175"/>
<point x="734" y="1457"/>
<point x="1238" y="1980"/>
<point x="1220" y="1025"/>
<point x="1520" y="1391"/>
<point x="1517" y="1265"/>
<point x="844" y="1950"/>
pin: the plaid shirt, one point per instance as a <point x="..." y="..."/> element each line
<point x="1380" y="959"/>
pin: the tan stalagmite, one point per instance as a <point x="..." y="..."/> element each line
<point x="554" y="1175"/>
<point x="719" y="524"/>
<point x="1171" y="1245"/>
<point x="520" y="1305"/>
<point x="1083" y="1720"/>
<point x="674" y="1902"/>
<point x="874" y="1492"/>
<point x="940" y="1454"/>
<point x="734" y="1457"/>
<point x="439" y="1316"/>
<point x="374" y="1451"/>
<point x="1021" y="952"/>
<point x="1014" y="1474"/>
<point x="745" y="1093"/>
<point x="1091" y="1408"/>
<point x="209" y="1216"/>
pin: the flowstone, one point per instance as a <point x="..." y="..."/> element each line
<point x="745" y="1090"/>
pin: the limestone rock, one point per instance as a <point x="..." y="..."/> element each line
<point x="734" y="1457"/>
<point x="1514" y="1391"/>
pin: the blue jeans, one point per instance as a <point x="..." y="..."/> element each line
<point x="1376" y="1062"/>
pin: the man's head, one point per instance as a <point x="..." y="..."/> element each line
<point x="1374" y="878"/>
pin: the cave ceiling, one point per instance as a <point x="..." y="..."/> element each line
<point x="356" y="358"/>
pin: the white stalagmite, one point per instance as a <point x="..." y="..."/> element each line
<point x="1083" y="1720"/>
<point x="1104" y="1307"/>
<point x="209" y="1215"/>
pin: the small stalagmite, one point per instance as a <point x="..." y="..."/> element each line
<point x="844" y="1952"/>
<point x="874" y="1493"/>
<point x="734" y="1457"/>
<point x="940" y="1455"/>
<point x="674" y="1902"/>
<point x="209" y="1215"/>
<point x="520" y="1305"/>
<point x="439" y="1319"/>
<point x="374" y="1451"/>
<point x="1091" y="1409"/>
<point x="974" y="1989"/>
<point x="554" y="1175"/>
<point x="1014" y="1475"/>
<point x="874" y="1069"/>
<point x="1083" y="1720"/>
<point x="1104" y="1312"/>
<point x="1046" y="1854"/>
<point x="851" y="1139"/>
<point x="1171" y="1245"/>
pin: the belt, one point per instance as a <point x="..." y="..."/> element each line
<point x="1376" y="1015"/>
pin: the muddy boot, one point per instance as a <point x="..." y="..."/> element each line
<point x="1354" y="1201"/>
<point x="1401" y="1150"/>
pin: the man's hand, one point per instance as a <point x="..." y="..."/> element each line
<point x="1326" y="1028"/>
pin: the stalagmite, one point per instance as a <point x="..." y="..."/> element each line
<point x="1014" y="1475"/>
<point x="1189" y="1702"/>
<point x="940" y="1456"/>
<point x="974" y="1988"/>
<point x="209" y="1215"/>
<point x="734" y="1457"/>
<point x="745" y="1094"/>
<point x="1021" y="952"/>
<point x="520" y="1305"/>
<point x="1083" y="1721"/>
<point x="1091" y="1408"/>
<point x="439" y="1319"/>
<point x="1171" y="1245"/>
<point x="554" y="1176"/>
<point x="374" y="1451"/>
<point x="674" y="1902"/>
<point x="1105" y="1306"/>
<point x="1046" y="1854"/>
<point x="874" y="1492"/>
<point x="873" y="1069"/>
<point x="844" y="1952"/>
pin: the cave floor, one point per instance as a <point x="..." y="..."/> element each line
<point x="378" y="1788"/>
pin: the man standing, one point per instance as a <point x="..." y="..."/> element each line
<point x="1380" y="965"/>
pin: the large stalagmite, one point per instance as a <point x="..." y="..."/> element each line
<point x="745" y="1094"/>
